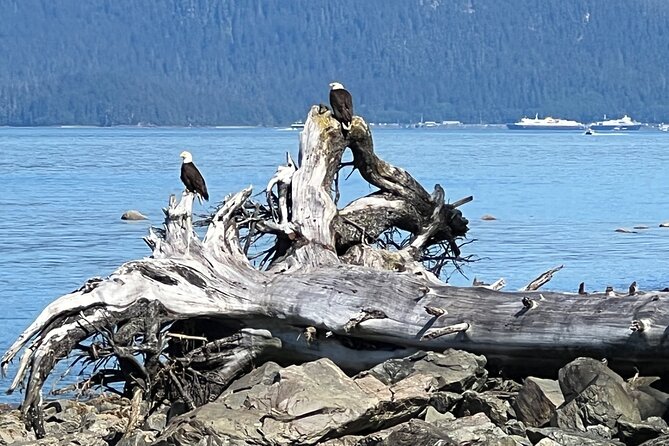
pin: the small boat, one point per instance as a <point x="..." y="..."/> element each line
<point x="623" y="124"/>
<point x="663" y="127"/>
<point x="589" y="132"/>
<point x="297" y="125"/>
<point x="547" y="123"/>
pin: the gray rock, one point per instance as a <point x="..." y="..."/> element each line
<point x="502" y="385"/>
<point x="514" y="427"/>
<point x="354" y="440"/>
<point x="635" y="433"/>
<point x="547" y="442"/>
<point x="659" y="441"/>
<point x="109" y="425"/>
<point x="137" y="438"/>
<point x="298" y="404"/>
<point x="108" y="403"/>
<point x="594" y="394"/>
<point x="626" y="231"/>
<point x="579" y="374"/>
<point x="567" y="437"/>
<point x="520" y="441"/>
<point x="416" y="433"/>
<point x="12" y="428"/>
<point x="474" y="402"/>
<point x="600" y="431"/>
<point x="432" y="415"/>
<point x="475" y="430"/>
<point x="155" y="422"/>
<point x="537" y="401"/>
<point x="452" y="370"/>
<point x="133" y="215"/>
<point x="444" y="401"/>
<point x="650" y="401"/>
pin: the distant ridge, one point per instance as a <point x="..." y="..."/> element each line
<point x="207" y="62"/>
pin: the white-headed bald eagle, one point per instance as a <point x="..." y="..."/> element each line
<point x="191" y="177"/>
<point x="342" y="106"/>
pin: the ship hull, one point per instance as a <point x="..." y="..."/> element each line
<point x="544" y="127"/>
<point x="615" y="128"/>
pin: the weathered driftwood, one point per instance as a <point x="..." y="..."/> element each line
<point x="326" y="291"/>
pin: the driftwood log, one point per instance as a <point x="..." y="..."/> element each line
<point x="327" y="282"/>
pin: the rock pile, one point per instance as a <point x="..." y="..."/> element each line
<point x="425" y="399"/>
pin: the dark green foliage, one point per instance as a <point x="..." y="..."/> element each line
<point x="206" y="62"/>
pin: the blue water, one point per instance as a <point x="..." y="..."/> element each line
<point x="558" y="198"/>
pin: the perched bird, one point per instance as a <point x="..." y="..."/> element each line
<point x="342" y="106"/>
<point x="633" y="288"/>
<point x="609" y="291"/>
<point x="477" y="282"/>
<point x="581" y="289"/>
<point x="191" y="177"/>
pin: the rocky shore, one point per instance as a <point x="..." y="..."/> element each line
<point x="426" y="399"/>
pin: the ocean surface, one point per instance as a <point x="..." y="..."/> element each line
<point x="558" y="199"/>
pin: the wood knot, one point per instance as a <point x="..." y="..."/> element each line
<point x="435" y="311"/>
<point x="639" y="325"/>
<point x="310" y="334"/>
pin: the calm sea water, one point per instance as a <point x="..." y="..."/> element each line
<point x="558" y="198"/>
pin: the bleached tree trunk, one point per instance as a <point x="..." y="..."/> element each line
<point x="328" y="291"/>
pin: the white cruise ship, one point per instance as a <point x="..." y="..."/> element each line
<point x="546" y="123"/>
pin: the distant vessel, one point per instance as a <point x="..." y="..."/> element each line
<point x="546" y="123"/>
<point x="663" y="127"/>
<point x="297" y="125"/>
<point x="623" y="124"/>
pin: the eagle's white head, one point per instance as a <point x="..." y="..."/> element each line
<point x="336" y="86"/>
<point x="187" y="157"/>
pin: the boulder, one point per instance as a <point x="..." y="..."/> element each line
<point x="635" y="433"/>
<point x="137" y="438"/>
<point x="594" y="394"/>
<point x="650" y="401"/>
<point x="567" y="437"/>
<point x="12" y="428"/>
<point x="133" y="215"/>
<point x="475" y="430"/>
<point x="299" y="404"/>
<point x="432" y="415"/>
<point x="354" y="440"/>
<point x="514" y="427"/>
<point x="494" y="408"/>
<point x="444" y="401"/>
<point x="537" y="401"/>
<point x="502" y="385"/>
<point x="452" y="370"/>
<point x="626" y="230"/>
<point x="601" y="431"/>
<point x="659" y="441"/>
<point x="415" y="433"/>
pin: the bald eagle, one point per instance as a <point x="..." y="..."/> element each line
<point x="342" y="106"/>
<point x="191" y="177"/>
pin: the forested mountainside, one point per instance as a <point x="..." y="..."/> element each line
<point x="225" y="62"/>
